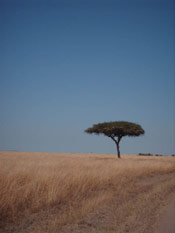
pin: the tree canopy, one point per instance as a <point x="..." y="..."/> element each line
<point x="116" y="130"/>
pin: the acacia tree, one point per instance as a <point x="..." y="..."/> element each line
<point x="116" y="130"/>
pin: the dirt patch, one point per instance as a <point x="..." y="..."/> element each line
<point x="138" y="210"/>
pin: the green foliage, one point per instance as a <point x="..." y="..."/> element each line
<point x="116" y="129"/>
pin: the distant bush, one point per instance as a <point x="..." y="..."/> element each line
<point x="173" y="155"/>
<point x="147" y="154"/>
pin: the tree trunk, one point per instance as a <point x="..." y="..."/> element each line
<point x="118" y="150"/>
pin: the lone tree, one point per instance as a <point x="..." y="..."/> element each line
<point x="116" y="130"/>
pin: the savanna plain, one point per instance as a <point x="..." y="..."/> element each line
<point x="85" y="193"/>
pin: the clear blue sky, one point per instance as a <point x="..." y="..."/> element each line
<point x="65" y="65"/>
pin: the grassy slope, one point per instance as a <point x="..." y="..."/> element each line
<point x="49" y="193"/>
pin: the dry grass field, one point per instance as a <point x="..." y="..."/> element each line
<point x="84" y="193"/>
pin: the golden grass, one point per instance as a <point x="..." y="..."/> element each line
<point x="63" y="188"/>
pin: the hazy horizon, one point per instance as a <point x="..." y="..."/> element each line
<point x="66" y="65"/>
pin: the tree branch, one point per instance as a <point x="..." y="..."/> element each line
<point x="119" y="138"/>
<point x="112" y="137"/>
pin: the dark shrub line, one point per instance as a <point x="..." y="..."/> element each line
<point x="149" y="154"/>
